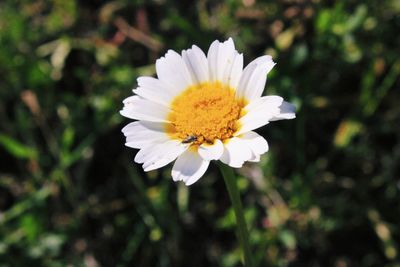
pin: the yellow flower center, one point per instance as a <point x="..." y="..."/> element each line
<point x="205" y="112"/>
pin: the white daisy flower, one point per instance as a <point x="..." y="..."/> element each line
<point x="202" y="108"/>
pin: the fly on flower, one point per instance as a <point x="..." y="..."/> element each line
<point x="202" y="108"/>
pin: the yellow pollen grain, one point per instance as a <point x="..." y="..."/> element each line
<point x="204" y="113"/>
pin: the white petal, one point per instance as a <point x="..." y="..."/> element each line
<point x="236" y="152"/>
<point x="143" y="126"/>
<point x="153" y="89"/>
<point x="257" y="144"/>
<point x="130" y="99"/>
<point x="252" y="81"/>
<point x="189" y="167"/>
<point x="226" y="54"/>
<point x="154" y="151"/>
<point x="143" y="153"/>
<point x="212" y="58"/>
<point x="140" y="133"/>
<point x="263" y="102"/>
<point x="211" y="152"/>
<point x="165" y="155"/>
<point x="173" y="72"/>
<point x="139" y="143"/>
<point x="259" y="112"/>
<point x="224" y="61"/>
<point x="236" y="71"/>
<point x="244" y="80"/>
<point x="157" y="163"/>
<point x="140" y="139"/>
<point x="197" y="63"/>
<point x="138" y="108"/>
<point x="287" y="112"/>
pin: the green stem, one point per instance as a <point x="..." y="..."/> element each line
<point x="242" y="232"/>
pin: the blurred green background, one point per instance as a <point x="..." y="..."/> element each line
<point x="326" y="194"/>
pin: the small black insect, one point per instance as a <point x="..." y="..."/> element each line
<point x="189" y="139"/>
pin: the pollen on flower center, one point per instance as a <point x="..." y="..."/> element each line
<point x="205" y="112"/>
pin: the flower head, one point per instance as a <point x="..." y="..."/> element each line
<point x="202" y="108"/>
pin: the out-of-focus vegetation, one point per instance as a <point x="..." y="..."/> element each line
<point x="326" y="194"/>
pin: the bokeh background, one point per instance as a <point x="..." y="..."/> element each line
<point x="326" y="194"/>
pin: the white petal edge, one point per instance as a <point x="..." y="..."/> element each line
<point x="259" y="112"/>
<point x="138" y="108"/>
<point x="211" y="152"/>
<point x="287" y="112"/>
<point x="257" y="144"/>
<point x="225" y="64"/>
<point x="141" y="133"/>
<point x="153" y="89"/>
<point x="212" y="58"/>
<point x="164" y="152"/>
<point x="173" y="72"/>
<point x="226" y="53"/>
<point x="154" y="150"/>
<point x="197" y="64"/>
<point x="236" y="152"/>
<point x="235" y="71"/>
<point x="142" y="126"/>
<point x="255" y="158"/>
<point x="254" y="77"/>
<point x="165" y="155"/>
<point x="189" y="167"/>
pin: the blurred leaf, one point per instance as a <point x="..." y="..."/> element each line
<point x="35" y="199"/>
<point x="346" y="131"/>
<point x="228" y="220"/>
<point x="288" y="239"/>
<point x="47" y="245"/>
<point x="80" y="152"/>
<point x="68" y="138"/>
<point x="105" y="53"/>
<point x="17" y="149"/>
<point x="182" y="197"/>
<point x="356" y="19"/>
<point x="62" y="15"/>
<point x="373" y="99"/>
<point x="31" y="226"/>
<point x="323" y="21"/>
<point x="300" y="54"/>
<point x="285" y="39"/>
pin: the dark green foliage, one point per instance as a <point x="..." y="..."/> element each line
<point x="326" y="194"/>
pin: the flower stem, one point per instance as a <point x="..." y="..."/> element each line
<point x="242" y="232"/>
